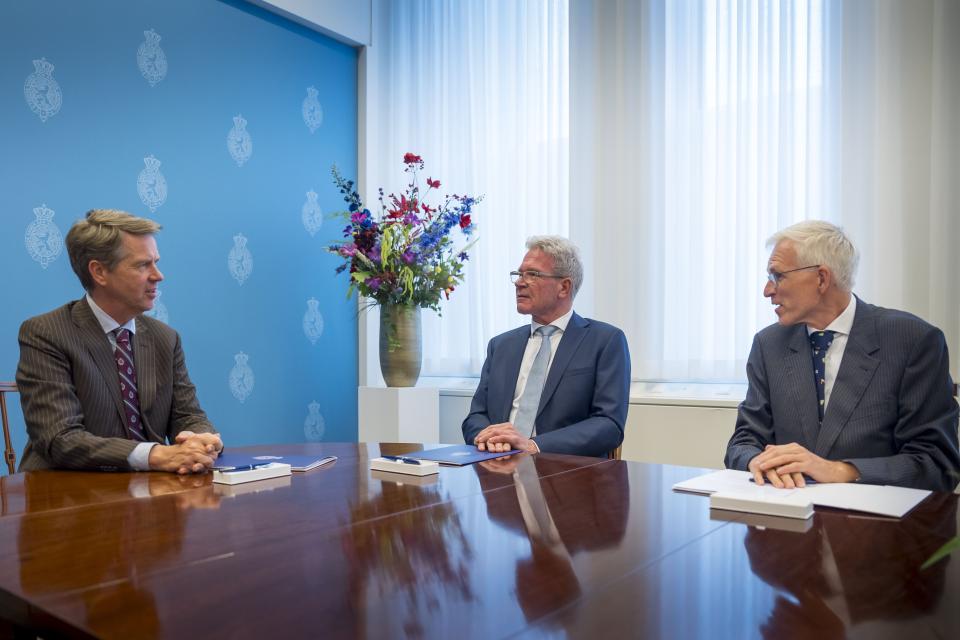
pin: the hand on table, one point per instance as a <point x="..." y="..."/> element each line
<point x="785" y="465"/>
<point x="503" y="437"/>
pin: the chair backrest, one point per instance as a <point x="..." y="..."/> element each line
<point x="9" y="455"/>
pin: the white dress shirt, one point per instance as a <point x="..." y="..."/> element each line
<point x="139" y="458"/>
<point x="841" y="325"/>
<point x="530" y="354"/>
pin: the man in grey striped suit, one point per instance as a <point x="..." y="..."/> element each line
<point x="102" y="386"/>
<point x="841" y="390"/>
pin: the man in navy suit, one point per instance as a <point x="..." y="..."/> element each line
<point x="578" y="369"/>
<point x="841" y="390"/>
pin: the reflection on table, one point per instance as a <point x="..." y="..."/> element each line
<point x="545" y="545"/>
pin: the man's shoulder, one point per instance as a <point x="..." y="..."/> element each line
<point x="599" y="326"/>
<point x="160" y="330"/>
<point x="777" y="334"/>
<point x="894" y="319"/>
<point x="55" y="317"/>
<point x="512" y="333"/>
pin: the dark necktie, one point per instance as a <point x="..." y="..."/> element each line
<point x="820" y="341"/>
<point x="530" y="400"/>
<point x="123" y="356"/>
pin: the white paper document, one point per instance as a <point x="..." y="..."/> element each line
<point x="883" y="500"/>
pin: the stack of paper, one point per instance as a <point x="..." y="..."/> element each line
<point x="259" y="472"/>
<point x="883" y="500"/>
<point x="409" y="466"/>
<point x="766" y="500"/>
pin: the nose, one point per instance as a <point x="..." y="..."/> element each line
<point x="157" y="275"/>
<point x="769" y="290"/>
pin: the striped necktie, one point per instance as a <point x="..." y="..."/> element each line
<point x="123" y="356"/>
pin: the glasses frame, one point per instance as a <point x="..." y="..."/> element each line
<point x="774" y="277"/>
<point x="530" y="275"/>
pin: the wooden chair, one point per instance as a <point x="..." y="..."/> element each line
<point x="615" y="454"/>
<point x="9" y="455"/>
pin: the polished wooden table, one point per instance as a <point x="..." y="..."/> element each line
<point x="535" y="546"/>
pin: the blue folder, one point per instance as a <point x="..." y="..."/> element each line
<point x="236" y="461"/>
<point x="459" y="454"/>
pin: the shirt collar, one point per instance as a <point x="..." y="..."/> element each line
<point x="560" y="323"/>
<point x="107" y="323"/>
<point x="843" y="323"/>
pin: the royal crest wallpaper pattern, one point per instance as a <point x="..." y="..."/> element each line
<point x="220" y="121"/>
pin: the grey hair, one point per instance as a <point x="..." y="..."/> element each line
<point x="566" y="257"/>
<point x="819" y="242"/>
<point x="99" y="236"/>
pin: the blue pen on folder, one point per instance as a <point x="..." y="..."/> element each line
<point x="245" y="467"/>
<point x="402" y="459"/>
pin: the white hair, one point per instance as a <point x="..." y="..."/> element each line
<point x="566" y="257"/>
<point x="819" y="242"/>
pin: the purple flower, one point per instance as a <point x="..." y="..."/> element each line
<point x="423" y="263"/>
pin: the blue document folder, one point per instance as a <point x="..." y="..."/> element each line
<point x="459" y="454"/>
<point x="236" y="461"/>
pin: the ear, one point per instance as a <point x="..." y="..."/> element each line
<point x="566" y="288"/>
<point x="98" y="271"/>
<point x="826" y="278"/>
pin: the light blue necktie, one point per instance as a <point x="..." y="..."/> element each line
<point x="530" y="400"/>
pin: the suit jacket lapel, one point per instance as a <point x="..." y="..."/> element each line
<point x="98" y="345"/>
<point x="572" y="337"/>
<point x="857" y="369"/>
<point x="514" y="346"/>
<point x="798" y="378"/>
<point x="144" y="358"/>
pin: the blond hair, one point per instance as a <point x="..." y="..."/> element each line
<point x="99" y="236"/>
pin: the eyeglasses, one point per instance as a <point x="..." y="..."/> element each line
<point x="776" y="276"/>
<point x="529" y="276"/>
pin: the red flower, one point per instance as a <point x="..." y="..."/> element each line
<point x="465" y="221"/>
<point x="433" y="184"/>
<point x="411" y="158"/>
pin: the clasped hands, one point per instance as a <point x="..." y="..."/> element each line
<point x="503" y="437"/>
<point x="190" y="453"/>
<point x="785" y="465"/>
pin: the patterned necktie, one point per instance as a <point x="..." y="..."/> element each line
<point x="123" y="355"/>
<point x="820" y="341"/>
<point x="530" y="400"/>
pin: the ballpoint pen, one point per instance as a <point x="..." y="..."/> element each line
<point x="244" y="467"/>
<point x="402" y="459"/>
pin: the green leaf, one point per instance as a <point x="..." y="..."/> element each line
<point x="942" y="553"/>
<point x="359" y="276"/>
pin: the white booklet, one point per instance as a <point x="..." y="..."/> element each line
<point x="869" y="498"/>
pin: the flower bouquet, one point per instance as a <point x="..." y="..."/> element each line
<point x="403" y="259"/>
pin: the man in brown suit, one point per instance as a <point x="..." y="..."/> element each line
<point x="102" y="386"/>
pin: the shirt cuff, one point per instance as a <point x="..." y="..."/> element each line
<point x="139" y="458"/>
<point x="535" y="445"/>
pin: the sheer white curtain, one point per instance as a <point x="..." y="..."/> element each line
<point x="479" y="89"/>
<point x="900" y="156"/>
<point x="699" y="128"/>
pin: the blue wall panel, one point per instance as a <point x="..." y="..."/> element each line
<point x="223" y="59"/>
